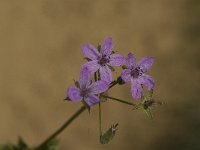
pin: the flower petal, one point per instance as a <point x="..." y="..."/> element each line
<point x="148" y="81"/>
<point x="92" y="66"/>
<point x="136" y="89"/>
<point x="85" y="78"/>
<point x="126" y="75"/>
<point x="106" y="74"/>
<point x="91" y="99"/>
<point x="131" y="60"/>
<point x="145" y="63"/>
<point x="98" y="87"/>
<point x="90" y="52"/>
<point x="107" y="46"/>
<point x="74" y="94"/>
<point x="117" y="60"/>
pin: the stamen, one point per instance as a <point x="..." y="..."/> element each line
<point x="104" y="60"/>
<point x="136" y="72"/>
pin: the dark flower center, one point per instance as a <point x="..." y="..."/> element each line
<point x="136" y="72"/>
<point x="84" y="92"/>
<point x="104" y="60"/>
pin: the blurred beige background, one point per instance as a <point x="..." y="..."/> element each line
<point x="40" y="55"/>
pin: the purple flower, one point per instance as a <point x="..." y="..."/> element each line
<point x="103" y="59"/>
<point x="87" y="91"/>
<point x="136" y="73"/>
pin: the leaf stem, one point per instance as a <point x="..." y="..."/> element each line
<point x="64" y="126"/>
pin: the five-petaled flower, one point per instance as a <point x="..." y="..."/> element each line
<point x="103" y="59"/>
<point x="87" y="91"/>
<point x="136" y="73"/>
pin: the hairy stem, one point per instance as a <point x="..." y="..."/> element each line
<point x="64" y="126"/>
<point x="119" y="100"/>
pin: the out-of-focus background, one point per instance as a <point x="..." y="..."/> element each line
<point x="40" y="55"/>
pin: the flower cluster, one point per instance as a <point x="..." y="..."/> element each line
<point x="92" y="90"/>
<point x="100" y="61"/>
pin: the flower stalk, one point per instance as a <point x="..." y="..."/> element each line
<point x="118" y="100"/>
<point x="97" y="77"/>
<point x="100" y="127"/>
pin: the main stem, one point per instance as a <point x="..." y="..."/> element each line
<point x="66" y="124"/>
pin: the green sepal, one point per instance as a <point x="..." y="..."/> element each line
<point x="77" y="84"/>
<point x="113" y="52"/>
<point x="148" y="112"/>
<point x="103" y="98"/>
<point x="139" y="106"/>
<point x="99" y="47"/>
<point x="146" y="103"/>
<point x="120" y="81"/>
<point x="88" y="59"/>
<point x="124" y="67"/>
<point x="146" y="109"/>
<point x="147" y="95"/>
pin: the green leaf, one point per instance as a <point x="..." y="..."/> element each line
<point x="109" y="134"/>
<point x="21" y="144"/>
<point x="51" y="145"/>
<point x="7" y="147"/>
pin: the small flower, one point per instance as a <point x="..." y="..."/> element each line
<point x="87" y="91"/>
<point x="102" y="60"/>
<point x="136" y="73"/>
